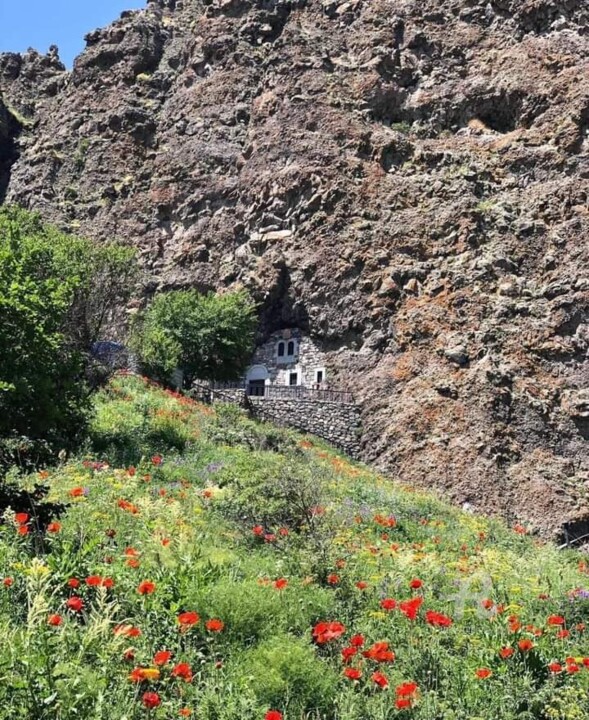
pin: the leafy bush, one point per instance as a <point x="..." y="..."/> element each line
<point x="55" y="292"/>
<point x="286" y="667"/>
<point x="209" y="337"/>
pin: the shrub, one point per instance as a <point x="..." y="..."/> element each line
<point x="286" y="670"/>
<point x="209" y="337"/>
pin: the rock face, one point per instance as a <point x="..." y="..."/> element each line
<point x="405" y="179"/>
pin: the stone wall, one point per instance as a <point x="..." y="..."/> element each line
<point x="338" y="423"/>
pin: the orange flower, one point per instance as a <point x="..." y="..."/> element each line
<point x="146" y="587"/>
<point x="54" y="620"/>
<point x="361" y="585"/>
<point x="76" y="492"/>
<point x="214" y="625"/>
<point x="525" y="645"/>
<point x="54" y="527"/>
<point x="162" y="657"/>
<point x="483" y="673"/>
<point x="380" y="652"/>
<point x="7" y="582"/>
<point x="185" y="712"/>
<point x="182" y="670"/>
<point x="21" y="518"/>
<point x="333" y="579"/>
<point x="23" y="530"/>
<point x="187" y="619"/>
<point x="506" y="652"/>
<point x="325" y="632"/>
<point x="555" y="620"/>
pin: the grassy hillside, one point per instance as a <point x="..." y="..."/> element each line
<point x="202" y="565"/>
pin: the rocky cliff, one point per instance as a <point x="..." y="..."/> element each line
<point x="406" y="179"/>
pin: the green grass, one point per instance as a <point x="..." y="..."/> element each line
<point x="214" y="509"/>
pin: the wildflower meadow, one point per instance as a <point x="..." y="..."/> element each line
<point x="192" y="563"/>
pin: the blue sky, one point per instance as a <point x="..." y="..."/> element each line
<point x="41" y="23"/>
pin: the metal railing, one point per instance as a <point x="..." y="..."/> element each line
<point x="287" y="392"/>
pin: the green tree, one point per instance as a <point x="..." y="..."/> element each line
<point x="210" y="337"/>
<point x="55" y="293"/>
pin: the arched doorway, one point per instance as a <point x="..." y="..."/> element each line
<point x="256" y="380"/>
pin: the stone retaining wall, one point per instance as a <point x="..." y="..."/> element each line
<point x="338" y="423"/>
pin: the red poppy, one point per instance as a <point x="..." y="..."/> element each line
<point x="357" y="640"/>
<point x="406" y="689"/>
<point x="54" y="620"/>
<point x="162" y="657"/>
<point x="73" y="583"/>
<point x="76" y="492"/>
<point x="380" y="652"/>
<point x="483" y="673"/>
<point x="21" y="518"/>
<point x="127" y="630"/>
<point x="333" y="579"/>
<point x="506" y="652"/>
<point x="7" y="582"/>
<point x="54" y="527"/>
<point x="146" y="587"/>
<point x="23" y="530"/>
<point x="562" y="634"/>
<point x="325" y="632"/>
<point x="572" y="668"/>
<point x="185" y="712"/>
<point x="214" y="625"/>
<point x="281" y="583"/>
<point x="555" y="667"/>
<point x="269" y="538"/>
<point x="94" y="581"/>
<point x="186" y="619"/>
<point x="555" y="620"/>
<point x="361" y="585"/>
<point x="151" y="700"/>
<point x="182" y="670"/>
<point x="525" y="645"/>
<point x="437" y="619"/>
<point x="487" y="603"/>
<point x="108" y="583"/>
<point x="416" y="583"/>
<point x="157" y="460"/>
<point x="352" y="673"/>
<point x="283" y="532"/>
<point x="75" y="603"/>
<point x="380" y="679"/>
<point x="348" y="653"/>
<point x="410" y="608"/>
<point x="402" y="703"/>
<point x="258" y="530"/>
<point x="273" y="715"/>
<point x="388" y="604"/>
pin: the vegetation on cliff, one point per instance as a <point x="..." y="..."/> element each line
<point x="203" y="565"/>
